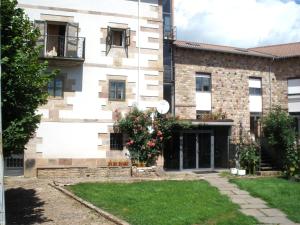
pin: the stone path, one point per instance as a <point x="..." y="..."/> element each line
<point x="33" y="201"/>
<point x="249" y="205"/>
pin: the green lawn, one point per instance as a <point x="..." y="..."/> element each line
<point x="279" y="193"/>
<point x="163" y="202"/>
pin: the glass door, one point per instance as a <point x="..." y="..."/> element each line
<point x="204" y="150"/>
<point x="189" y="151"/>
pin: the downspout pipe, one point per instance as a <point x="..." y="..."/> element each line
<point x="139" y="52"/>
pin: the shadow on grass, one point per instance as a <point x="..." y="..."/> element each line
<point x="23" y="207"/>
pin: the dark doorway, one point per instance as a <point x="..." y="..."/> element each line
<point x="189" y="151"/>
<point x="56" y="39"/>
<point x="204" y="147"/>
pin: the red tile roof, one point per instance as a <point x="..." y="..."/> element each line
<point x="274" y="51"/>
<point x="282" y="50"/>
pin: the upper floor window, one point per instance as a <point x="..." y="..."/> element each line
<point x="255" y="86"/>
<point x="117" y="90"/>
<point x="55" y="87"/>
<point x="294" y="86"/>
<point x="117" y="37"/>
<point x="203" y="82"/>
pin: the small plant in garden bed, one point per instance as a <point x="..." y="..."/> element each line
<point x="118" y="163"/>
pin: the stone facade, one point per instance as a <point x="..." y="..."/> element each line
<point x="230" y="75"/>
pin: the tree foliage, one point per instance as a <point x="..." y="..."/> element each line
<point x="23" y="78"/>
<point x="279" y="130"/>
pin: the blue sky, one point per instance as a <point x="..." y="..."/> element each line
<point x="240" y="23"/>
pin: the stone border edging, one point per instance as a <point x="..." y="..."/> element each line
<point x="101" y="212"/>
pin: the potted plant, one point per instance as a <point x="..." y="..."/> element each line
<point x="233" y="169"/>
<point x="241" y="172"/>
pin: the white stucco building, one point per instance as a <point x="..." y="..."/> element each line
<point x="110" y="58"/>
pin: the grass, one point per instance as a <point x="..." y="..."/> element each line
<point x="163" y="202"/>
<point x="279" y="193"/>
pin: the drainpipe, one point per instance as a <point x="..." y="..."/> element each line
<point x="139" y="52"/>
<point x="270" y="83"/>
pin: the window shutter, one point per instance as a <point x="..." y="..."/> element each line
<point x="108" y="40"/>
<point x="127" y="37"/>
<point x="127" y="40"/>
<point x="72" y="40"/>
<point x="41" y="25"/>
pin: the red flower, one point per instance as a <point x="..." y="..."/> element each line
<point x="159" y="133"/>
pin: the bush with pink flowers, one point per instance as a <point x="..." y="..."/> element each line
<point x="146" y="134"/>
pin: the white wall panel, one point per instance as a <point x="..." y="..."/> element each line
<point x="255" y="103"/>
<point x="203" y="101"/>
<point x="70" y="140"/>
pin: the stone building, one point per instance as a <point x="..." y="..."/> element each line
<point x="224" y="91"/>
<point x="113" y="56"/>
<point x="109" y="54"/>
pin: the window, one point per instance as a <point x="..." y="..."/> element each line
<point x="55" y="87"/>
<point x="117" y="90"/>
<point x="255" y="86"/>
<point x="203" y="82"/>
<point x="255" y="124"/>
<point x="116" y="141"/>
<point x="117" y="37"/>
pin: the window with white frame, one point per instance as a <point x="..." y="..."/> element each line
<point x="294" y="95"/>
<point x="203" y="92"/>
<point x="203" y="82"/>
<point x="255" y="94"/>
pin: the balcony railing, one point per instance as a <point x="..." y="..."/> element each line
<point x="62" y="47"/>
<point x="170" y="33"/>
<point x="168" y="74"/>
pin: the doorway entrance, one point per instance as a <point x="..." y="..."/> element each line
<point x="197" y="150"/>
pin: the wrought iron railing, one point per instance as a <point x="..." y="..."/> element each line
<point x="14" y="162"/>
<point x="170" y="33"/>
<point x="60" y="46"/>
<point x="168" y="74"/>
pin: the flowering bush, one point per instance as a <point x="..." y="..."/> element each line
<point x="146" y="134"/>
<point x="280" y="133"/>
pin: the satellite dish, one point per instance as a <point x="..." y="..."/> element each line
<point x="163" y="107"/>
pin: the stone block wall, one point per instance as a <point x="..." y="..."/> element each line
<point x="81" y="172"/>
<point x="229" y="79"/>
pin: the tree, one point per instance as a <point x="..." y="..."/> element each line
<point x="281" y="136"/>
<point x="23" y="77"/>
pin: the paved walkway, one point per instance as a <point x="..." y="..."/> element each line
<point x="249" y="205"/>
<point x="33" y="201"/>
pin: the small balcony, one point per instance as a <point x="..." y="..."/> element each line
<point x="170" y="33"/>
<point x="60" y="49"/>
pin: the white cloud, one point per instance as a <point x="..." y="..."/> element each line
<point x="241" y="23"/>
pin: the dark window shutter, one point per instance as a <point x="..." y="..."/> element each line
<point x="108" y="40"/>
<point x="127" y="40"/>
<point x="41" y="25"/>
<point x="72" y="40"/>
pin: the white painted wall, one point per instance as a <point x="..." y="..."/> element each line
<point x="203" y="101"/>
<point x="70" y="140"/>
<point x="80" y="140"/>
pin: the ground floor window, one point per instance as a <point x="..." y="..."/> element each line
<point x="55" y="87"/>
<point x="255" y="128"/>
<point x="116" y="141"/>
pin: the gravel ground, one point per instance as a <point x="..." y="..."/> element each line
<point x="33" y="201"/>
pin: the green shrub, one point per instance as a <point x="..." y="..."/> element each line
<point x="281" y="136"/>
<point x="249" y="157"/>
